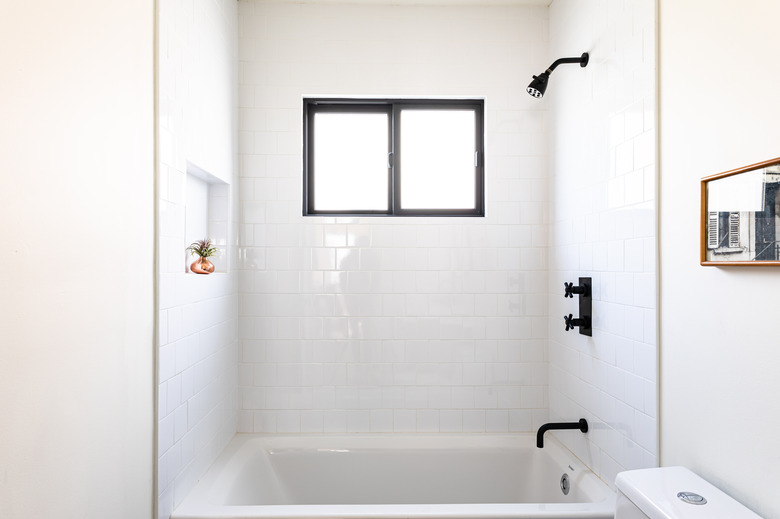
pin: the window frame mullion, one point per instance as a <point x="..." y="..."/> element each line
<point x="396" y="147"/>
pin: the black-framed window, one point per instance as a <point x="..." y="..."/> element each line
<point x="393" y="157"/>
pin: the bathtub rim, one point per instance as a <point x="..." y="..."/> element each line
<point x="196" y="505"/>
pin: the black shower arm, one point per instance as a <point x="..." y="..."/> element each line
<point x="582" y="60"/>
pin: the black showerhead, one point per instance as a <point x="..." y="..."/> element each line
<point x="539" y="84"/>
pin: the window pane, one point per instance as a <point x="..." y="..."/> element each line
<point x="437" y="159"/>
<point x="350" y="161"/>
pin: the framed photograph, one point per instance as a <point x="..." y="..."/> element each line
<point x="740" y="216"/>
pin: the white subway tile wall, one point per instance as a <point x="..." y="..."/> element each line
<point x="198" y="315"/>
<point x="391" y="324"/>
<point x="603" y="225"/>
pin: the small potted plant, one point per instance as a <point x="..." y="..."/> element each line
<point x="203" y="249"/>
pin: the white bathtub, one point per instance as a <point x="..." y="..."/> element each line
<point x="452" y="476"/>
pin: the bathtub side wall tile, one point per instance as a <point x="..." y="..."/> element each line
<point x="265" y="421"/>
<point x="245" y="422"/>
<point x="358" y="421"/>
<point x="451" y="420"/>
<point x="381" y="420"/>
<point x="404" y="420"/>
<point x="496" y="421"/>
<point x="334" y="421"/>
<point x="312" y="421"/>
<point x="473" y="420"/>
<point x="428" y="420"/>
<point x="609" y="235"/>
<point x="520" y="420"/>
<point x="288" y="421"/>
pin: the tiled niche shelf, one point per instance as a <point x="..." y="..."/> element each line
<point x="207" y="206"/>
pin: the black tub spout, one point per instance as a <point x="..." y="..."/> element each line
<point x="582" y="425"/>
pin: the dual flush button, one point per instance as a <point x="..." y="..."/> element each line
<point x="692" y="498"/>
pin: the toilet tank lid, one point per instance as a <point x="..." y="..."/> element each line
<point x="654" y="491"/>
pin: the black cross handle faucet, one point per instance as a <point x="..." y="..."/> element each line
<point x="572" y="322"/>
<point x="569" y="289"/>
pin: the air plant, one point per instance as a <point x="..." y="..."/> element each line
<point x="203" y="248"/>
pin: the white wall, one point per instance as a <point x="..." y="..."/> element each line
<point x="392" y="324"/>
<point x="603" y="215"/>
<point x="197" y="124"/>
<point x="719" y="385"/>
<point x="77" y="205"/>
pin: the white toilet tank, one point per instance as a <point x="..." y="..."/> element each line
<point x="673" y="493"/>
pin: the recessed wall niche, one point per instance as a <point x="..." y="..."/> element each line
<point x="207" y="206"/>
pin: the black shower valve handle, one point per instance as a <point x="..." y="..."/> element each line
<point x="568" y="320"/>
<point x="572" y="322"/>
<point x="569" y="289"/>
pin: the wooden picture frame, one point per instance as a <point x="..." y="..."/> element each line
<point x="740" y="216"/>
